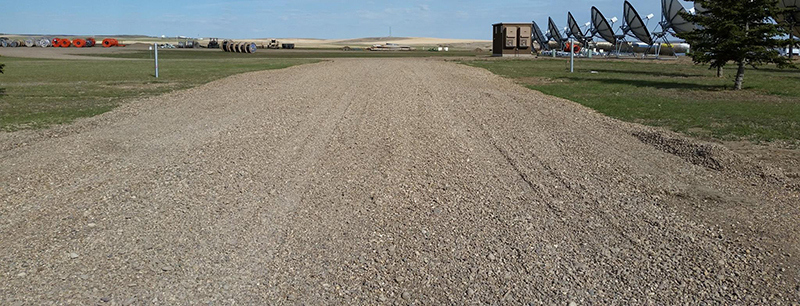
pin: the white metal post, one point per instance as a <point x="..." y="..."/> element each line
<point x="571" y="55"/>
<point x="791" y="40"/>
<point x="155" y="47"/>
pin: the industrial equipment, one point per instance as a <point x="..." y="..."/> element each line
<point x="213" y="44"/>
<point x="239" y="47"/>
<point x="110" y="42"/>
<point x="188" y="44"/>
<point x="274" y="44"/>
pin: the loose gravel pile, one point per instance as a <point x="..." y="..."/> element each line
<point x="391" y="181"/>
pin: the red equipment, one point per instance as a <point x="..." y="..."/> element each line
<point x="567" y="47"/>
<point x="110" y="42"/>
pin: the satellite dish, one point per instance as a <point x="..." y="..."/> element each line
<point x="793" y="4"/>
<point x="539" y="38"/>
<point x="699" y="8"/>
<point x="574" y="28"/>
<point x="635" y="24"/>
<point x="554" y="33"/>
<point x="600" y="26"/>
<point x="792" y="17"/>
<point x="672" y="9"/>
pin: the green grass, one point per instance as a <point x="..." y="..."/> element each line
<point x="36" y="93"/>
<point x="677" y="95"/>
<point x="297" y="53"/>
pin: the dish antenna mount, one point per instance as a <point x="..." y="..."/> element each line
<point x="672" y="22"/>
<point x="792" y="19"/>
<point x="633" y="26"/>
<point x="555" y="35"/>
<point x="539" y="37"/>
<point x="575" y="29"/>
<point x="601" y="27"/>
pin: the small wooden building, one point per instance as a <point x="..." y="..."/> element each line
<point x="511" y="39"/>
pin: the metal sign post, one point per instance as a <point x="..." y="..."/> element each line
<point x="155" y="48"/>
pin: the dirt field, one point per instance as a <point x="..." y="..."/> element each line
<point x="70" y="53"/>
<point x="400" y="181"/>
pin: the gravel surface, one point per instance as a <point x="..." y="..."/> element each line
<point x="387" y="181"/>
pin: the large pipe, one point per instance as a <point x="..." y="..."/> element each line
<point x="43" y="42"/>
<point x="110" y="42"/>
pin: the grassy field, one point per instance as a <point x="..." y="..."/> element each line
<point x="297" y="53"/>
<point x="677" y="95"/>
<point x="36" y="93"/>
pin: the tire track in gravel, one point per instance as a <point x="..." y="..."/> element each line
<point x="387" y="181"/>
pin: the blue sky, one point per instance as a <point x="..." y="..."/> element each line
<point x="301" y="18"/>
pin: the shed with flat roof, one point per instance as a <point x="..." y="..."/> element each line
<point x="511" y="39"/>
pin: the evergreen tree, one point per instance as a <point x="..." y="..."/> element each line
<point x="739" y="31"/>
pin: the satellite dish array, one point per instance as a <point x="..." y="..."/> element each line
<point x="672" y="22"/>
<point x="633" y="26"/>
<point x="793" y="18"/>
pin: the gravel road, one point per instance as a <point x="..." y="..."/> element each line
<point x="386" y="181"/>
